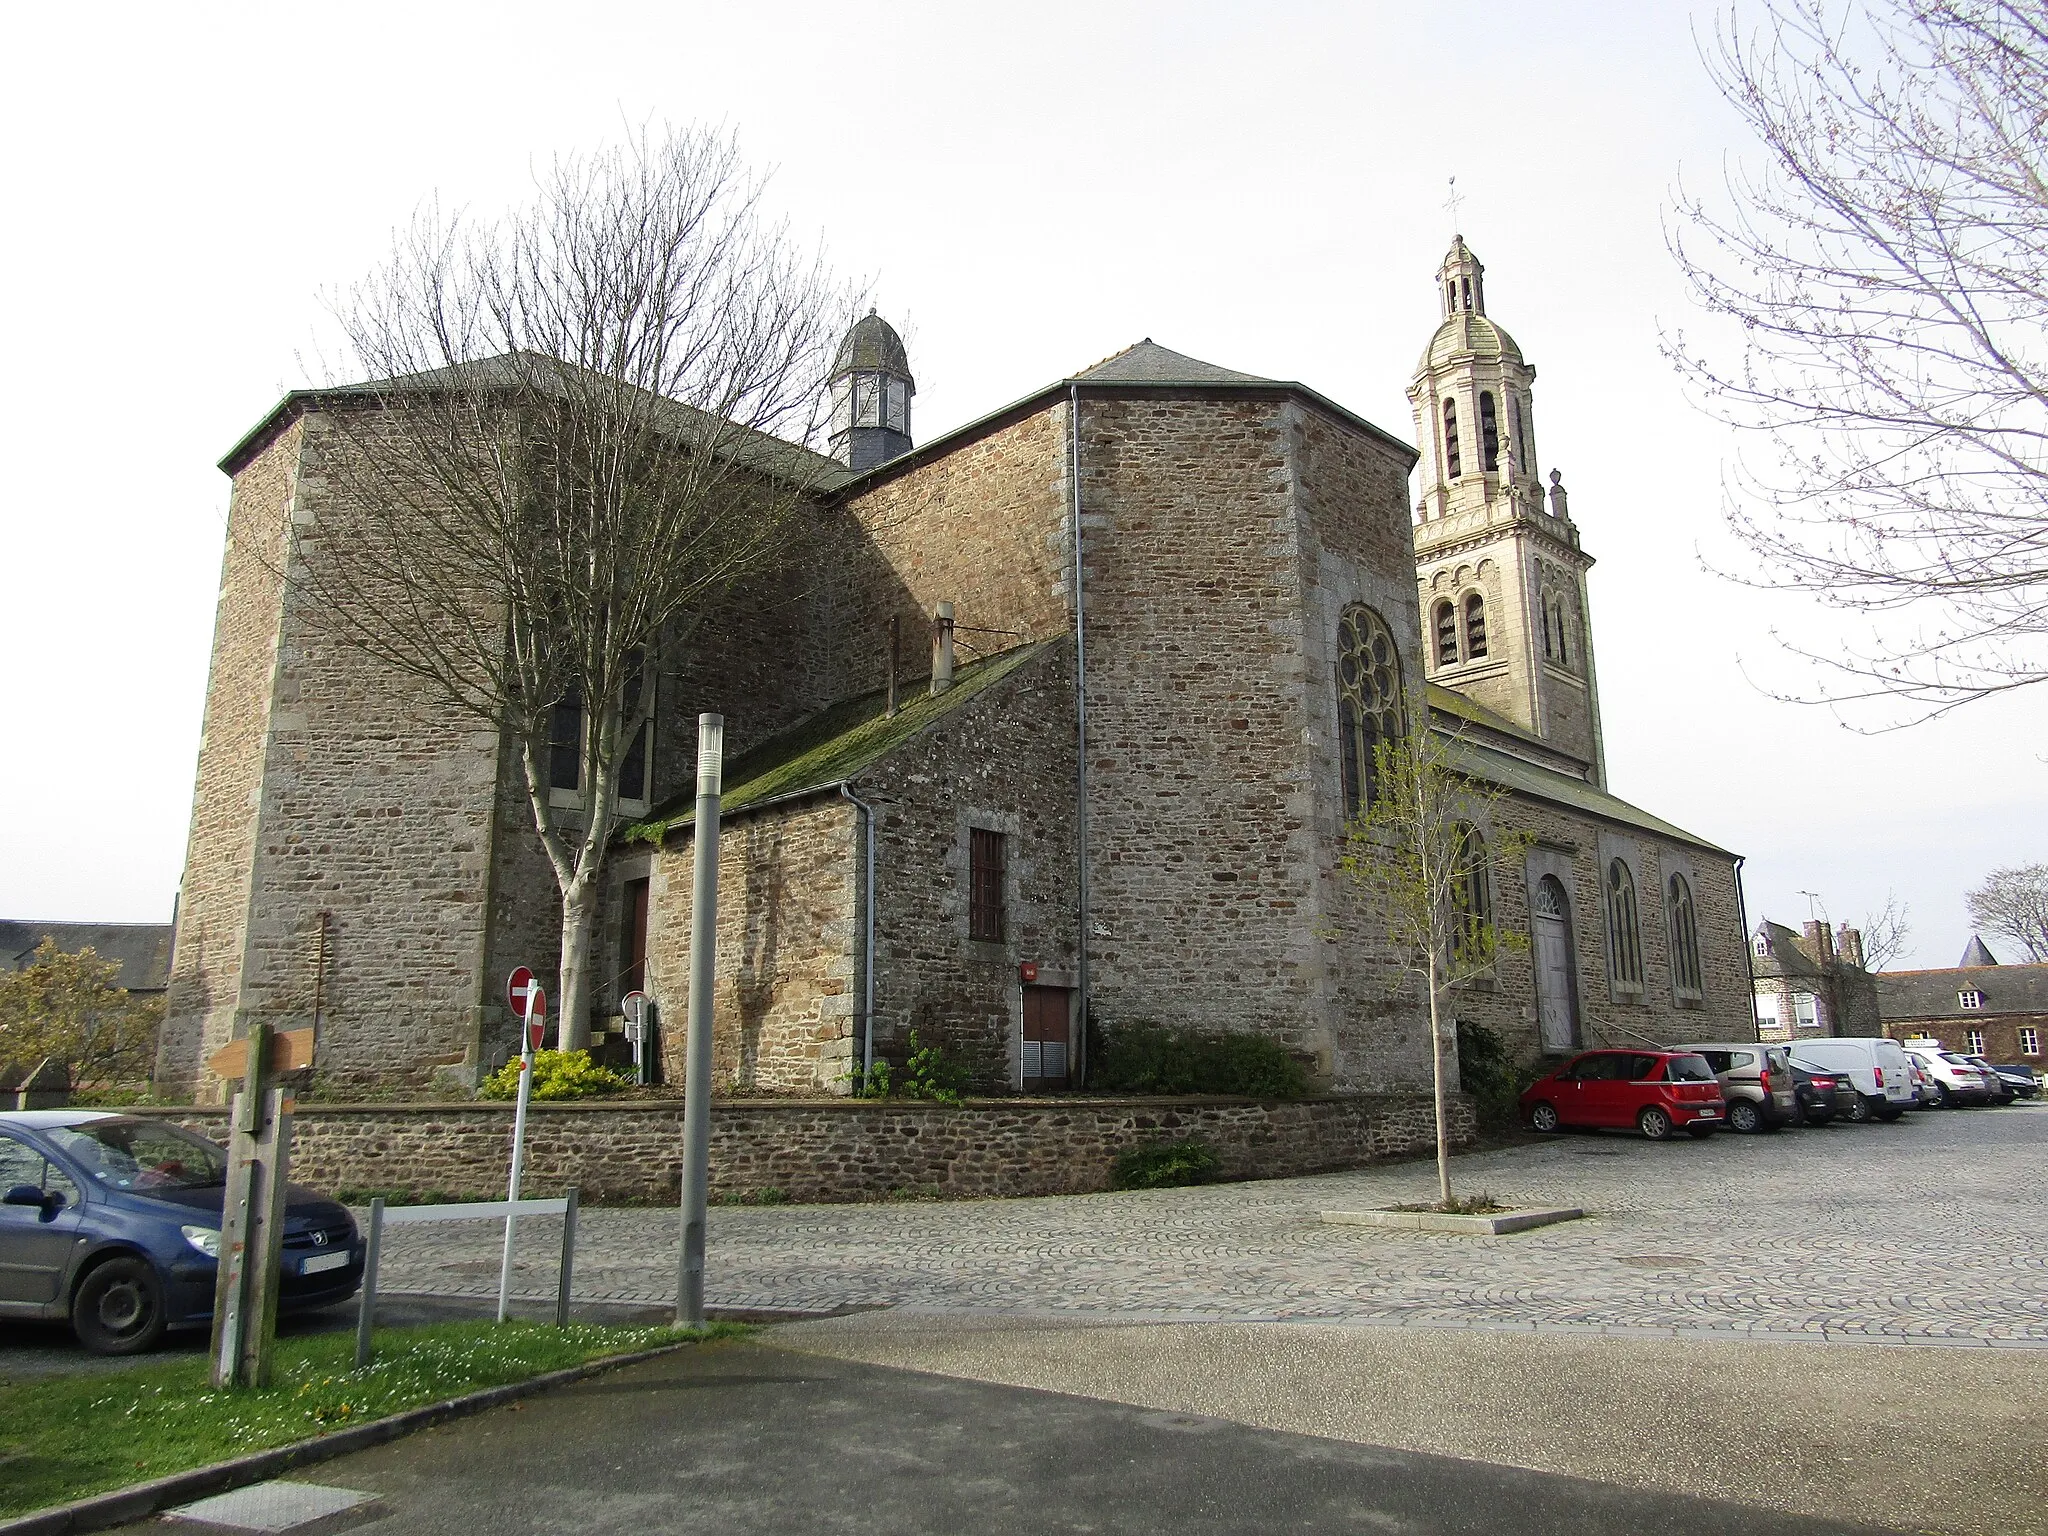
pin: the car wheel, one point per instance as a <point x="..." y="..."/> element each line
<point x="1699" y="1132"/>
<point x="1745" y="1117"/>
<point x="1544" y="1118"/>
<point x="1654" y="1123"/>
<point x="1943" y="1099"/>
<point x="1860" y="1112"/>
<point x="119" y="1308"/>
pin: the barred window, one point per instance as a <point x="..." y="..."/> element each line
<point x="1624" y="929"/>
<point x="1370" y="709"/>
<point x="1685" y="940"/>
<point x="985" y="885"/>
<point x="1446" y="635"/>
<point x="1475" y="626"/>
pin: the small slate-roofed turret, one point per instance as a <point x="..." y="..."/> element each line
<point x="871" y="390"/>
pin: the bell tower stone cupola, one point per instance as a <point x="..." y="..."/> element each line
<point x="871" y="389"/>
<point x="1502" y="573"/>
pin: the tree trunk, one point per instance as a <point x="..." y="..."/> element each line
<point x="1436" y="1054"/>
<point x="579" y="913"/>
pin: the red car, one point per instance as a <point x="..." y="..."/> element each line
<point x="1655" y="1092"/>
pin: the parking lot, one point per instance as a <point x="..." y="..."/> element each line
<point x="1924" y="1231"/>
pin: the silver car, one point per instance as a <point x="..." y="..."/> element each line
<point x="1756" y="1080"/>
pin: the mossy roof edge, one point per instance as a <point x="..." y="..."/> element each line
<point x="833" y="745"/>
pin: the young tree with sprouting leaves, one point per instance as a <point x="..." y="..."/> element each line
<point x="1883" y="259"/>
<point x="1420" y="855"/>
<point x="584" y="424"/>
<point x="72" y="1008"/>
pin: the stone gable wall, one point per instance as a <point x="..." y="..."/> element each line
<point x="213" y="899"/>
<point x="835" y="1150"/>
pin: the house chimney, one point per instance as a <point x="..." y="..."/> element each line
<point x="1820" y="942"/>
<point x="1849" y="945"/>
<point x="942" y="649"/>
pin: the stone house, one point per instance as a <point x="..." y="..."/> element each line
<point x="1172" y="608"/>
<point x="1979" y="1007"/>
<point x="1812" y="983"/>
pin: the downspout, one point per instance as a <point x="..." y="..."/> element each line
<point x="867" y="961"/>
<point x="1080" y="729"/>
<point x="1748" y="950"/>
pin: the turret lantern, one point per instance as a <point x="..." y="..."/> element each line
<point x="871" y="390"/>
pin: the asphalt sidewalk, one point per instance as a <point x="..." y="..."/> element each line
<point x="1902" y="1437"/>
<point x="745" y="1439"/>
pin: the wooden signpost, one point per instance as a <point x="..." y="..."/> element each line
<point x="252" y="1212"/>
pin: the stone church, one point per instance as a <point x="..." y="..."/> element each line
<point x="1062" y="724"/>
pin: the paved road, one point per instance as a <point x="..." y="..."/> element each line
<point x="1926" y="1231"/>
<point x="744" y="1439"/>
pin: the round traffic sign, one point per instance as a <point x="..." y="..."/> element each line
<point x="517" y="989"/>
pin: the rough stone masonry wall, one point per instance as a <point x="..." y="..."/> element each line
<point x="788" y="948"/>
<point x="1004" y="762"/>
<point x="213" y="902"/>
<point x="833" y="1150"/>
<point x="1202" y="855"/>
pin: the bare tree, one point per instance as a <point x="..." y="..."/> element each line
<point x="1887" y="265"/>
<point x="1419" y="855"/>
<point x="584" y="424"/>
<point x="1885" y="932"/>
<point x="2013" y="903"/>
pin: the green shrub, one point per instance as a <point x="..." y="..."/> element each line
<point x="1146" y="1058"/>
<point x="1165" y="1165"/>
<point x="556" y="1075"/>
<point x="1488" y="1071"/>
<point x="929" y="1073"/>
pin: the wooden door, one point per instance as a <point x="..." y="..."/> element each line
<point x="1556" y="1008"/>
<point x="633" y="975"/>
<point x="1046" y="1043"/>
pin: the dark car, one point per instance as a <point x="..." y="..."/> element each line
<point x="1655" y="1092"/>
<point x="2019" y="1077"/>
<point x="2003" y="1089"/>
<point x="113" y="1222"/>
<point x="1822" y="1095"/>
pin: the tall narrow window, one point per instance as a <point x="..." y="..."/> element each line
<point x="1624" y="930"/>
<point x="633" y="974"/>
<point x="1489" y="434"/>
<point x="985" y="885"/>
<point x="1370" y="708"/>
<point x="1549" y="641"/>
<point x="1564" y="655"/>
<point x="1446" y="635"/>
<point x="1685" y="941"/>
<point x="1475" y="626"/>
<point x="1453" y="465"/>
<point x="565" y="744"/>
<point x="1473" y="893"/>
<point x="633" y="766"/>
<point x="1519" y="436"/>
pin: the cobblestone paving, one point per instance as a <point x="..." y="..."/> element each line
<point x="1929" y="1230"/>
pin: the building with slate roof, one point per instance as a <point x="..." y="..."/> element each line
<point x="1812" y="983"/>
<point x="1055" y="725"/>
<point x="143" y="950"/>
<point x="1979" y="1007"/>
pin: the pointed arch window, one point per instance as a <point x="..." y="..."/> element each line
<point x="1453" y="464"/>
<point x="1685" y="941"/>
<point x="1370" y="705"/>
<point x="1472" y="894"/>
<point x="1446" y="620"/>
<point x="1475" y="626"/>
<point x="1624" y="931"/>
<point x="1489" y="433"/>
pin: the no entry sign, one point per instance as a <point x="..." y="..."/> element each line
<point x="518" y="989"/>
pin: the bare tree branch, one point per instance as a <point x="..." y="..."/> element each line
<point x="2012" y="903"/>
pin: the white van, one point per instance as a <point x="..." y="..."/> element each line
<point x="1875" y="1068"/>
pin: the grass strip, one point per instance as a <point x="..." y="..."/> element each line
<point x="67" y="1437"/>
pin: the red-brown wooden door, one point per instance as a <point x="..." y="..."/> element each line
<point x="1046" y="1046"/>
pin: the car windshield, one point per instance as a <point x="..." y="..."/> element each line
<point x="1687" y="1069"/>
<point x="143" y="1154"/>
<point x="1956" y="1061"/>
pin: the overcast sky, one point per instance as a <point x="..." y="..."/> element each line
<point x="1028" y="189"/>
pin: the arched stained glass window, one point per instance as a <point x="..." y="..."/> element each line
<point x="1475" y="626"/>
<point x="1446" y="620"/>
<point x="1624" y="929"/>
<point x="1453" y="464"/>
<point x="1370" y="706"/>
<point x="1685" y="940"/>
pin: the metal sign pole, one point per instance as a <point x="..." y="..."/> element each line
<point x="533" y="995"/>
<point x="703" y="973"/>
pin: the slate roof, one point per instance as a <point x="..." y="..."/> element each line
<point x="1506" y="771"/>
<point x="1977" y="954"/>
<point x="832" y="746"/>
<point x="1932" y="994"/>
<point x="1149" y="363"/>
<point x="1786" y="957"/>
<point x="873" y="344"/>
<point x="144" y="949"/>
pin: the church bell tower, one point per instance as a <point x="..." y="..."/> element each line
<point x="1502" y="574"/>
<point x="871" y="389"/>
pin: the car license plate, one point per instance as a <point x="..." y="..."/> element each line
<point x="324" y="1261"/>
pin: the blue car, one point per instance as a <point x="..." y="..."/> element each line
<point x="112" y="1221"/>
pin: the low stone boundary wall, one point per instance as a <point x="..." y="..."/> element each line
<point x="835" y="1149"/>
